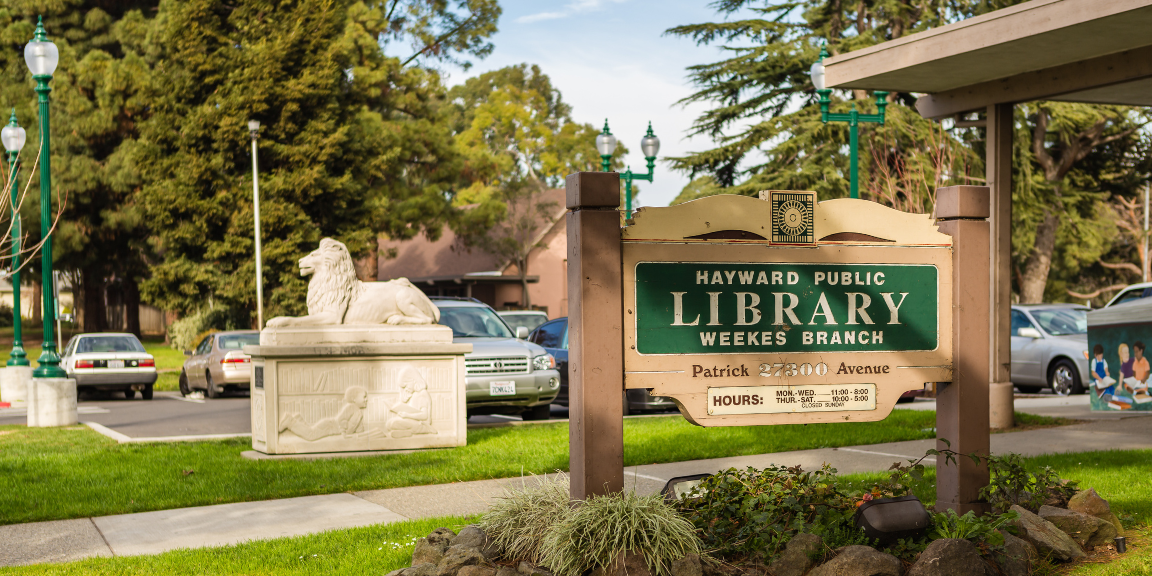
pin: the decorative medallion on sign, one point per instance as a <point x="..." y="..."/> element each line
<point x="792" y="217"/>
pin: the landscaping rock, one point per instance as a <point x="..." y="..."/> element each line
<point x="506" y="571"/>
<point x="431" y="549"/>
<point x="474" y="537"/>
<point x="630" y="564"/>
<point x="395" y="572"/>
<point x="1090" y="503"/>
<point x="1018" y="556"/>
<point x="796" y="558"/>
<point x="1105" y="533"/>
<point x="859" y="561"/>
<point x="458" y="557"/>
<point x="688" y="566"/>
<point x="477" y="571"/>
<point x="530" y="569"/>
<point x="1081" y="527"/>
<point x="426" y="569"/>
<point x="1046" y="537"/>
<point x="951" y="557"/>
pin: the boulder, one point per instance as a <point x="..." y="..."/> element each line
<point x="951" y="557"/>
<point x="859" y="561"/>
<point x="458" y="557"/>
<point x="530" y="569"/>
<point x="626" y="564"/>
<point x="506" y="571"/>
<point x="1105" y="533"/>
<point x="477" y="571"/>
<point x="426" y="569"/>
<point x="1090" y="503"/>
<point x="395" y="572"/>
<point x="689" y="565"/>
<point x="1046" y="537"/>
<point x="1017" y="557"/>
<point x="474" y="537"/>
<point x="797" y="556"/>
<point x="431" y="549"/>
<point x="1081" y="527"/>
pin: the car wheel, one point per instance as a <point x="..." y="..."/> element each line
<point x="184" y="389"/>
<point x="1029" y="389"/>
<point x="212" y="393"/>
<point x="1064" y="380"/>
<point x="146" y="393"/>
<point x="129" y="393"/>
<point x="542" y="412"/>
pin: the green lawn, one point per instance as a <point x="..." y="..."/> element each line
<point x="371" y="550"/>
<point x="1119" y="476"/>
<point x="48" y="474"/>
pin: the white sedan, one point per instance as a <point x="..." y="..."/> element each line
<point x="110" y="362"/>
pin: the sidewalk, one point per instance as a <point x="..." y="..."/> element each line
<point x="155" y="532"/>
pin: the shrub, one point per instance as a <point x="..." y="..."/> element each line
<point x="6" y="318"/>
<point x="1012" y="483"/>
<point x="740" y="513"/>
<point x="595" y="532"/>
<point x="982" y="529"/>
<point x="185" y="333"/>
<point x="518" y="522"/>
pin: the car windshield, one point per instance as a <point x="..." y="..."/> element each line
<point x="1062" y="321"/>
<point x="109" y="344"/>
<point x="529" y="321"/>
<point x="474" y="322"/>
<point x="239" y="341"/>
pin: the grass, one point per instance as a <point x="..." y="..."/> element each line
<point x="1119" y="476"/>
<point x="370" y="550"/>
<point x="51" y="474"/>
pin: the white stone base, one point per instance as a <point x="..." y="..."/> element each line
<point x="14" y="384"/>
<point x="51" y="402"/>
<point x="357" y="388"/>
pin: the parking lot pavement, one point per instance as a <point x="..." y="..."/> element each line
<point x="166" y="415"/>
<point x="1075" y="407"/>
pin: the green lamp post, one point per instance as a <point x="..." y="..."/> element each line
<point x="13" y="137"/>
<point x="853" y="118"/>
<point x="42" y="57"/>
<point x="649" y="145"/>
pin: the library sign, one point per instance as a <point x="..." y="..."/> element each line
<point x="782" y="310"/>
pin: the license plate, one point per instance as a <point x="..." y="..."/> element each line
<point x="115" y="363"/>
<point x="501" y="388"/>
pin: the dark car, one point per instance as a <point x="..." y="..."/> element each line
<point x="553" y="337"/>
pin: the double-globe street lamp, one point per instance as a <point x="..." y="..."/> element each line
<point x="649" y="145"/>
<point x="853" y="118"/>
<point x="13" y="137"/>
<point x="42" y="57"/>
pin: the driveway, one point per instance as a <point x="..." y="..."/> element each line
<point x="167" y="414"/>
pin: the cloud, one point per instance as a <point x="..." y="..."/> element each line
<point x="575" y="7"/>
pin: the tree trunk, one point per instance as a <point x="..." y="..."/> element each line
<point x="132" y="306"/>
<point x="368" y="267"/>
<point x="1039" y="262"/>
<point x="92" y="289"/>
<point x="525" y="299"/>
<point x="37" y="302"/>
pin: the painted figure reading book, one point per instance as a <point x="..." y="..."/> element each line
<point x="1104" y="384"/>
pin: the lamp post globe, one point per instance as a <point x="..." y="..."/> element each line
<point x="650" y="144"/>
<point x="42" y="56"/>
<point x="254" y="127"/>
<point x="606" y="145"/>
<point x="13" y="138"/>
<point x="817" y="71"/>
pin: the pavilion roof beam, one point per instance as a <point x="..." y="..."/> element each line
<point x="1058" y="83"/>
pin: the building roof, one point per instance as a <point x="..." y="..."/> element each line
<point x="1076" y="50"/>
<point x="422" y="260"/>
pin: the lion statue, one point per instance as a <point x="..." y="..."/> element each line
<point x="336" y="296"/>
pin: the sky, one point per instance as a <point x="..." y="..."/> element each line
<point x="611" y="60"/>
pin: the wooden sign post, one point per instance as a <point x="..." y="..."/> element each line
<point x="775" y="310"/>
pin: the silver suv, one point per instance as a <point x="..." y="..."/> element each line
<point x="504" y="375"/>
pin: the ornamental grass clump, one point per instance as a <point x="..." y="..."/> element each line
<point x="518" y="522"/>
<point x="596" y="532"/>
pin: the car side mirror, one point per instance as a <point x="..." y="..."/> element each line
<point x="1029" y="333"/>
<point x="187" y="352"/>
<point x="522" y="332"/>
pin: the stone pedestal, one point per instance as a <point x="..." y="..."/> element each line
<point x="350" y="388"/>
<point x="51" y="402"/>
<point x="14" y="384"/>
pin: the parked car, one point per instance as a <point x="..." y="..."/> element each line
<point x="504" y="374"/>
<point x="553" y="336"/>
<point x="1050" y="347"/>
<point x="530" y="319"/>
<point x="1133" y="292"/>
<point x="219" y="363"/>
<point x="110" y="361"/>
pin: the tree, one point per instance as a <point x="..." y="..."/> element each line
<point x="518" y="140"/>
<point x="352" y="143"/>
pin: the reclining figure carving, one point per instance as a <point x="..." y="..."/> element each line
<point x="336" y="296"/>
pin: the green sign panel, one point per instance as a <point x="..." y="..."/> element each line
<point x="741" y="308"/>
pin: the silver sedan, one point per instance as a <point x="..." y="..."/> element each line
<point x="1050" y="347"/>
<point x="219" y="363"/>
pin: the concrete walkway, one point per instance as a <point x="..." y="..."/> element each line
<point x="155" y="532"/>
